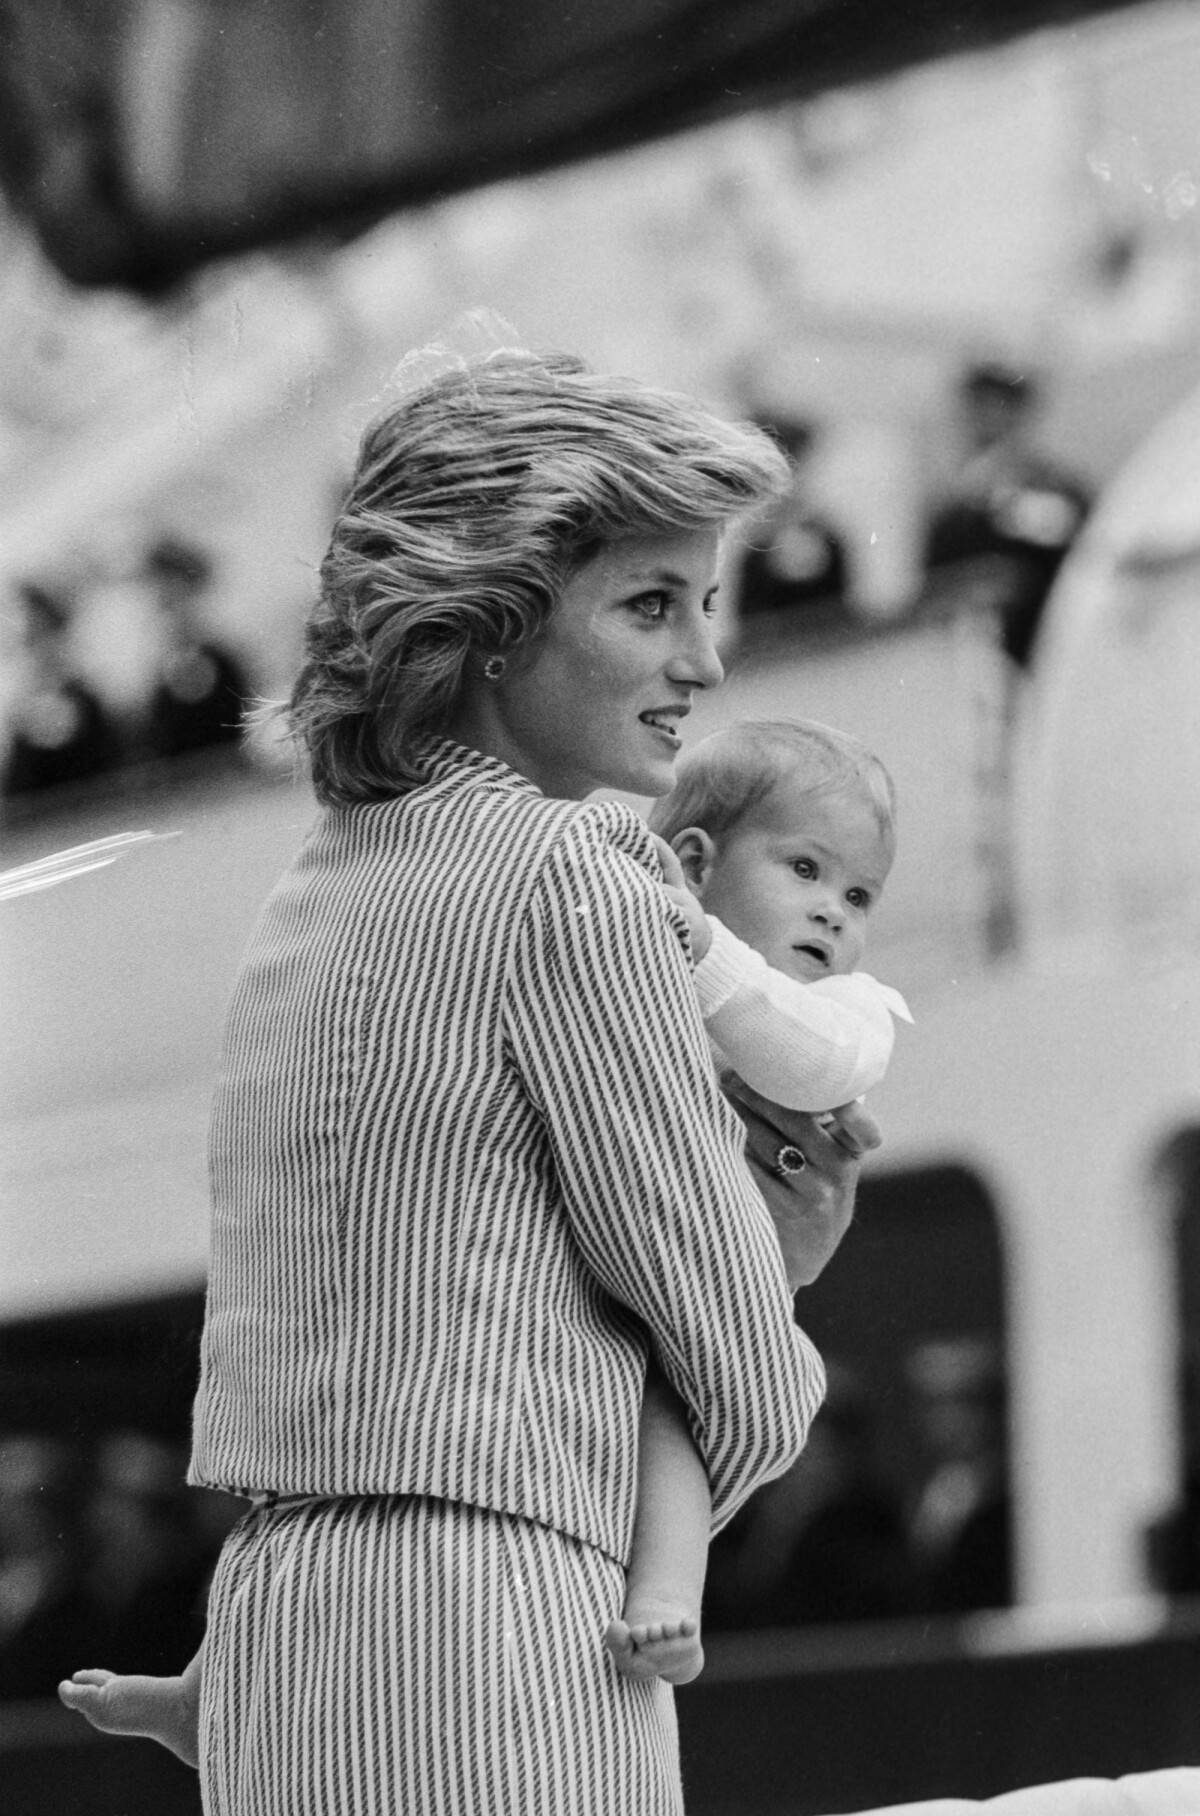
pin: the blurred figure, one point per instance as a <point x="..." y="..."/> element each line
<point x="959" y="1526"/>
<point x="200" y="692"/>
<point x="40" y="1564"/>
<point x="995" y="545"/>
<point x="57" y="729"/>
<point x="146" y="1571"/>
<point x="1009" y="504"/>
<point x="826" y="1542"/>
<point x="797" y="559"/>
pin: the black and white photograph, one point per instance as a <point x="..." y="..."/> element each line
<point x="599" y="908"/>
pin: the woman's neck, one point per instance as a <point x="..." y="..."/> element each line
<point x="477" y="723"/>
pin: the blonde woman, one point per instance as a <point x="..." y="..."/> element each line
<point x="471" y="1168"/>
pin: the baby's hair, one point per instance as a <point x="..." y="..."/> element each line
<point x="732" y="772"/>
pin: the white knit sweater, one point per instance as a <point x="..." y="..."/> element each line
<point x="807" y="1046"/>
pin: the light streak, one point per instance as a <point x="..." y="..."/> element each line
<point x="76" y="860"/>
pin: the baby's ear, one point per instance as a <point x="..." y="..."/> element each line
<point x="697" y="853"/>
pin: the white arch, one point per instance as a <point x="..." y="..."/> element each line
<point x="1108" y="792"/>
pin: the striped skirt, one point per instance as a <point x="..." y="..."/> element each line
<point x="412" y="1657"/>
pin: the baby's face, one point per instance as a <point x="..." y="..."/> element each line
<point x="797" y="879"/>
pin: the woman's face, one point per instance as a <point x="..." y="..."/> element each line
<point x="599" y="702"/>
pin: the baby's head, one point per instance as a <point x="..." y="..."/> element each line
<point x="786" y="831"/>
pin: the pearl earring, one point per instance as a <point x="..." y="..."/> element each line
<point x="494" y="668"/>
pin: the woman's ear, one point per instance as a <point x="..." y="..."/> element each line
<point x="697" y="854"/>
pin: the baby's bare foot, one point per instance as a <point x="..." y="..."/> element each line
<point x="655" y="1642"/>
<point x="155" y="1708"/>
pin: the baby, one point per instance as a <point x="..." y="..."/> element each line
<point x="784" y="833"/>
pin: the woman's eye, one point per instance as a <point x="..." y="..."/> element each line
<point x="651" y="605"/>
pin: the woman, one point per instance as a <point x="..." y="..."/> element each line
<point x="469" y="1160"/>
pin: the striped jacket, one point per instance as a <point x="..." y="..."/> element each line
<point x="468" y="1157"/>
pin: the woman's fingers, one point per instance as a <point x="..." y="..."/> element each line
<point x="675" y="884"/>
<point x="768" y="1126"/>
<point x="672" y="869"/>
<point x="812" y="1203"/>
<point x="854" y="1128"/>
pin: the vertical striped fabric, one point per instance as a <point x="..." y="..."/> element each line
<point x="401" y="1657"/>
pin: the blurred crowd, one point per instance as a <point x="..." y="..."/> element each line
<point x="118" y="670"/>
<point x="996" y="534"/>
<point x="119" y="667"/>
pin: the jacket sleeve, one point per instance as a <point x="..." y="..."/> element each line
<point x="807" y="1046"/>
<point x="604" y="1024"/>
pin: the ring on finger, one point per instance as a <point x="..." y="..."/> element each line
<point x="789" y="1159"/>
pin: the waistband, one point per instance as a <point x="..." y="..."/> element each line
<point x="269" y="1501"/>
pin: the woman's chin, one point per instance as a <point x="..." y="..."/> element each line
<point x="648" y="779"/>
<point x="632" y="772"/>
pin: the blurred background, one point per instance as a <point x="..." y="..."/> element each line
<point x="950" y="255"/>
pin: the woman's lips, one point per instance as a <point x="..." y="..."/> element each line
<point x="664" y="726"/>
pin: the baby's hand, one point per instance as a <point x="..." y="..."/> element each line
<point x="676" y="886"/>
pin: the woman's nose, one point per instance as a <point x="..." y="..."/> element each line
<point x="695" y="660"/>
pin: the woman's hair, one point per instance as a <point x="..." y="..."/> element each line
<point x="474" y="500"/>
<point x="732" y="772"/>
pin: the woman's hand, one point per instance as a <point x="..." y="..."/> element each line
<point x="676" y="886"/>
<point x="813" y="1205"/>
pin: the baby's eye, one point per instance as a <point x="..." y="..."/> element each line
<point x="859" y="898"/>
<point x="805" y="868"/>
